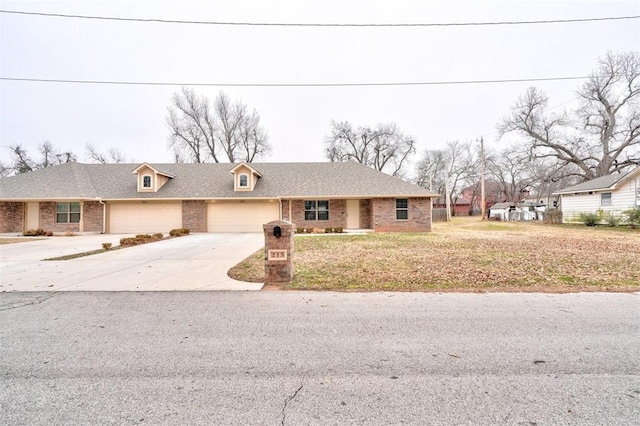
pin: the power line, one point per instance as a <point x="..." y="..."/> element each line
<point x="372" y="84"/>
<point x="310" y="24"/>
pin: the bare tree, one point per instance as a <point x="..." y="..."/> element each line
<point x="21" y="163"/>
<point x="458" y="160"/>
<point x="431" y="173"/>
<point x="599" y="138"/>
<point x="111" y="155"/>
<point x="385" y="147"/>
<point x="220" y="131"/>
<point x="191" y="125"/>
<point x="5" y="170"/>
<point x="513" y="171"/>
<point x="49" y="156"/>
<point x="251" y="137"/>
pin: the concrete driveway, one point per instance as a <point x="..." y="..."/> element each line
<point x="193" y="262"/>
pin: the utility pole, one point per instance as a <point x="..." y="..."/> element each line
<point x="483" y="204"/>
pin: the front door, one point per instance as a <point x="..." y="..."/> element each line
<point x="353" y="214"/>
<point x="33" y="216"/>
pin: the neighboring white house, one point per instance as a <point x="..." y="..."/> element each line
<point x="612" y="194"/>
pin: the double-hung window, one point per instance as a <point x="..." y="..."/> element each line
<point x="67" y="212"/>
<point x="402" y="209"/>
<point x="605" y="199"/>
<point x="316" y="210"/>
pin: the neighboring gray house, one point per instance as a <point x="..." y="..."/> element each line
<point x="612" y="194"/>
<point x="212" y="197"/>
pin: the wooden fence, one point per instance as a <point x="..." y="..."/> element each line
<point x="439" y="215"/>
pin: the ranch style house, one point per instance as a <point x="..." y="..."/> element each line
<point x="211" y="197"/>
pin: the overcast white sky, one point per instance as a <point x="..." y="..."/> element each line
<point x="132" y="118"/>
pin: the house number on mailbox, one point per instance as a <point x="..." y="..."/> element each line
<point x="277" y="255"/>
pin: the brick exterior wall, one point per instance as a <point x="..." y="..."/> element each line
<point x="337" y="215"/>
<point x="365" y="214"/>
<point x="92" y="216"/>
<point x="194" y="215"/>
<point x="48" y="219"/>
<point x="384" y="215"/>
<point x="285" y="210"/>
<point x="11" y="216"/>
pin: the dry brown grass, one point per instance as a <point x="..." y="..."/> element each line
<point x="466" y="255"/>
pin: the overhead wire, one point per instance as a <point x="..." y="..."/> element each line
<point x="370" y="84"/>
<point x="227" y="84"/>
<point x="322" y="24"/>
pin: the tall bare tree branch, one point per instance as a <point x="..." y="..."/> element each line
<point x="49" y="156"/>
<point x="212" y="131"/>
<point x="600" y="137"/>
<point x="385" y="147"/>
<point x="112" y="155"/>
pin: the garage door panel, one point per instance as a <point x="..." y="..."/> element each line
<point x="144" y="218"/>
<point x="240" y="217"/>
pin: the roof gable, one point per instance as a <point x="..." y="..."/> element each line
<point x="142" y="166"/>
<point x="245" y="166"/>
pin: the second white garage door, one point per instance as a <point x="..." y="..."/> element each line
<point x="240" y="217"/>
<point x="138" y="218"/>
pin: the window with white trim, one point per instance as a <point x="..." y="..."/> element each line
<point x="67" y="212"/>
<point x="146" y="181"/>
<point x="605" y="199"/>
<point x="243" y="181"/>
<point x="402" y="209"/>
<point x="316" y="210"/>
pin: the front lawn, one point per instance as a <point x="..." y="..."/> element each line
<point x="465" y="255"/>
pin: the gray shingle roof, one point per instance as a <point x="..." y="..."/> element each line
<point x="498" y="206"/>
<point x="207" y="181"/>
<point x="597" y="184"/>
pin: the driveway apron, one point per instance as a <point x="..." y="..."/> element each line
<point x="193" y="262"/>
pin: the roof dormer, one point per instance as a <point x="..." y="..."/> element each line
<point x="245" y="177"/>
<point x="150" y="179"/>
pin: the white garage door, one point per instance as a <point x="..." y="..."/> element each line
<point x="144" y="218"/>
<point x="240" y="217"/>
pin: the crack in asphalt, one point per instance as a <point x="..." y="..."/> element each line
<point x="33" y="302"/>
<point x="286" y="402"/>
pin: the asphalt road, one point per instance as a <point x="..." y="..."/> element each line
<point x="274" y="358"/>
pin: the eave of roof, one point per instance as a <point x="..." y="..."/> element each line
<point x="254" y="171"/>
<point x="602" y="183"/>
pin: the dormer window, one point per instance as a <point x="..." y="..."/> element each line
<point x="146" y="181"/>
<point x="245" y="177"/>
<point x="150" y="179"/>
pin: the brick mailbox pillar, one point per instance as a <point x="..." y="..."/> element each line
<point x="278" y="251"/>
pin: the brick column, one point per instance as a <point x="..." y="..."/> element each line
<point x="278" y="252"/>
